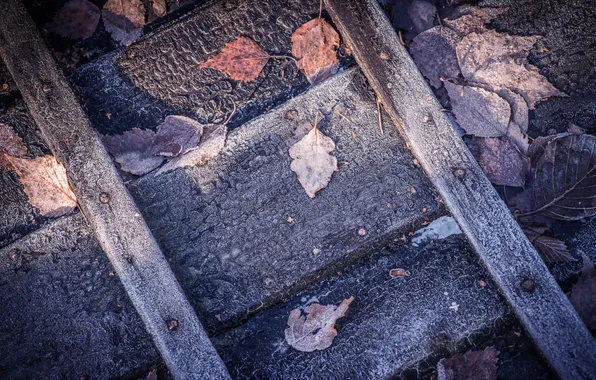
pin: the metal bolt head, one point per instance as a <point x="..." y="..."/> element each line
<point x="104" y="198"/>
<point x="459" y="172"/>
<point x="173" y="324"/>
<point x="528" y="285"/>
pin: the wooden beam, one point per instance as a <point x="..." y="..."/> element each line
<point x="105" y="202"/>
<point x="525" y="282"/>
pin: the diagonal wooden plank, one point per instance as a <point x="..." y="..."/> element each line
<point x="105" y="202"/>
<point x="516" y="267"/>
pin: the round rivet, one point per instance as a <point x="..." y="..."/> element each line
<point x="268" y="281"/>
<point x="459" y="172"/>
<point x="361" y="232"/>
<point x="426" y="118"/>
<point x="528" y="285"/>
<point x="173" y="324"/>
<point x="104" y="198"/>
<point x="384" y="56"/>
<point x="291" y="115"/>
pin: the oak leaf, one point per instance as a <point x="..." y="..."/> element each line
<point x="124" y="20"/>
<point x="315" y="330"/>
<point x="76" y="19"/>
<point x="473" y="365"/>
<point x="583" y="294"/>
<point x="242" y="59"/>
<point x="312" y="162"/>
<point x="314" y="44"/>
<point x="45" y="183"/>
<point x="10" y="142"/>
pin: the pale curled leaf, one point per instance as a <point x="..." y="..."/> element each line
<point x="312" y="162"/>
<point x="242" y="59"/>
<point x="10" y="142"/>
<point x="76" y="19"/>
<point x="314" y="43"/>
<point x="315" y="330"/>
<point x="583" y="294"/>
<point x="45" y="183"/>
<point x="124" y="19"/>
<point x="473" y="365"/>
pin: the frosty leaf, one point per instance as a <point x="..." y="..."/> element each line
<point x="583" y="294"/>
<point x="314" y="43"/>
<point x="472" y="19"/>
<point x="479" y="112"/>
<point x="312" y="162"/>
<point x="124" y="19"/>
<point x="422" y="14"/>
<point x="159" y="7"/>
<point x="500" y="60"/>
<point x="212" y="142"/>
<point x="473" y="365"/>
<point x="242" y="59"/>
<point x="564" y="183"/>
<point x="316" y="329"/>
<point x="552" y="249"/>
<point x="434" y="54"/>
<point x="502" y="163"/>
<point x="76" y="19"/>
<point x="133" y="150"/>
<point x="45" y="183"/>
<point x="176" y="135"/>
<point x="10" y="142"/>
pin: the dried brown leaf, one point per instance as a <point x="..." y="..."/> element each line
<point x="312" y="162"/>
<point x="500" y="61"/>
<point x="124" y="19"/>
<point x="45" y="183"/>
<point x="176" y="136"/>
<point x="467" y="19"/>
<point x="314" y="44"/>
<point x="243" y="59"/>
<point x="316" y="329"/>
<point x="134" y="150"/>
<point x="159" y="7"/>
<point x="583" y="294"/>
<point x="502" y="162"/>
<point x="76" y="19"/>
<point x="564" y="183"/>
<point x="473" y="365"/>
<point x="10" y="142"/>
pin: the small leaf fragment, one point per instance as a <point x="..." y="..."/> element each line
<point x="315" y="330"/>
<point x="552" y="249"/>
<point x="242" y="59"/>
<point x="314" y="44"/>
<point x="473" y="365"/>
<point x="176" y="135"/>
<point x="124" y="20"/>
<point x="76" y="19"/>
<point x="10" y="142"/>
<point x="45" y="183"/>
<point x="159" y="7"/>
<point x="583" y="294"/>
<point x="312" y="162"/>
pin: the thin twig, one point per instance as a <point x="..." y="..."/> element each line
<point x="232" y="114"/>
<point x="320" y="8"/>
<point x="379" y="114"/>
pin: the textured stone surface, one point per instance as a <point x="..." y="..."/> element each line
<point x="391" y="324"/>
<point x="224" y="226"/>
<point x="159" y="75"/>
<point x="64" y="314"/>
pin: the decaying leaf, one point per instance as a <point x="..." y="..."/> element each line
<point x="45" y="183"/>
<point x="10" y="142"/>
<point x="314" y="44"/>
<point x="422" y="14"/>
<point x="212" y="142"/>
<point x="551" y="248"/>
<point x="243" y="59"/>
<point x="76" y="19"/>
<point x="499" y="60"/>
<point x="473" y="365"/>
<point x="468" y="19"/>
<point x="564" y="182"/>
<point x="159" y="7"/>
<point x="176" y="135"/>
<point x="124" y="20"/>
<point x="316" y="329"/>
<point x="312" y="162"/>
<point x="479" y="112"/>
<point x="502" y="162"/>
<point x="583" y="294"/>
<point x="134" y="150"/>
<point x="426" y="49"/>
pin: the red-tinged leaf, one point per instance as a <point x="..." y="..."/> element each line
<point x="124" y="19"/>
<point x="10" y="142"/>
<point x="76" y="19"/>
<point x="242" y="59"/>
<point x="314" y="44"/>
<point x="502" y="162"/>
<point x="583" y="294"/>
<point x="315" y="330"/>
<point x="473" y="365"/>
<point x="45" y="183"/>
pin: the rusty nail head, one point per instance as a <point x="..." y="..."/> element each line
<point x="104" y="197"/>
<point x="528" y="285"/>
<point x="460" y="172"/>
<point x="173" y="324"/>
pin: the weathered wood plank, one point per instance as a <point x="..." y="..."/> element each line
<point x="106" y="203"/>
<point x="526" y="283"/>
